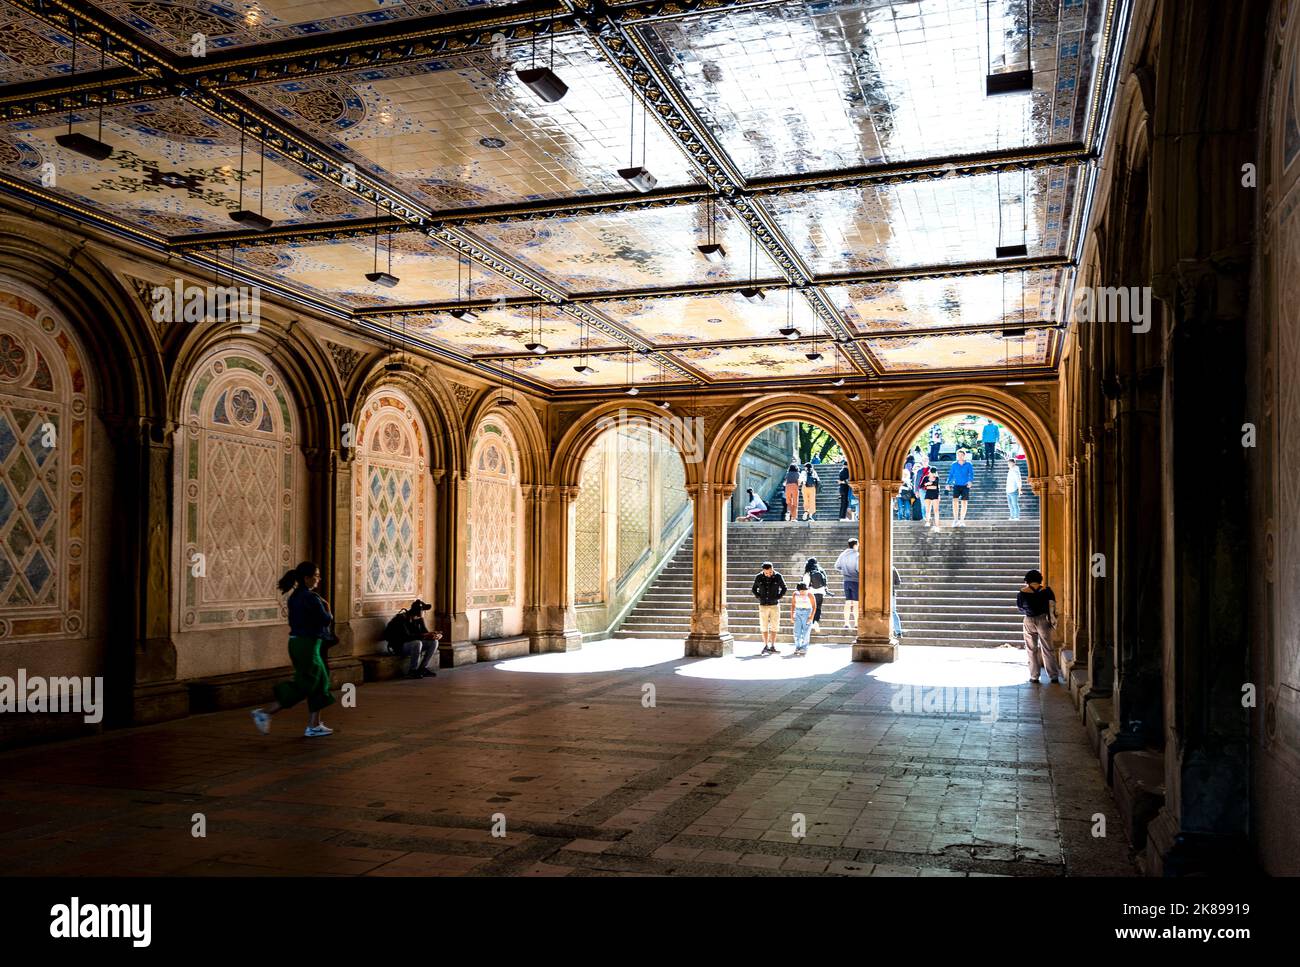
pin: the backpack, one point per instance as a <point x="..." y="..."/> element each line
<point x="817" y="579"/>
<point x="395" y="631"/>
<point x="918" y="509"/>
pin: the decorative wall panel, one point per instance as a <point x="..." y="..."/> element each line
<point x="589" y="527"/>
<point x="44" y="457"/>
<point x="633" y="498"/>
<point x="389" y="488"/>
<point x="493" y="518"/>
<point x="237" y="499"/>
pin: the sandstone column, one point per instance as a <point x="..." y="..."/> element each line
<point x="452" y="577"/>
<point x="709" y="637"/>
<point x="557" y="622"/>
<point x="875" y="587"/>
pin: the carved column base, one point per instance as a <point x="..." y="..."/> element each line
<point x="543" y="642"/>
<point x="1172" y="852"/>
<point x="709" y="646"/>
<point x="875" y="649"/>
<point x="452" y="654"/>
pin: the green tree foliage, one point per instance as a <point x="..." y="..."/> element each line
<point x="816" y="442"/>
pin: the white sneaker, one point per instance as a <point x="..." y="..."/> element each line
<point x="314" y="730"/>
<point x="262" y="721"/>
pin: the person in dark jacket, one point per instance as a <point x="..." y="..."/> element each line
<point x="309" y="622"/>
<point x="407" y="635"/>
<point x="815" y="577"/>
<point x="844" y="488"/>
<point x="769" y="588"/>
<point x="1038" y="604"/>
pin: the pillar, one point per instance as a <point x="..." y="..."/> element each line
<point x="875" y="588"/>
<point x="709" y="637"/>
<point x="556" y="621"/>
<point x="452" y="579"/>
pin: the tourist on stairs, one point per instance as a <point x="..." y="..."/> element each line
<point x="844" y="488"/>
<point x="769" y="588"/>
<point x="896" y="620"/>
<point x="815" y="578"/>
<point x="959" y="478"/>
<point x="792" y="492"/>
<point x="989" y="437"/>
<point x="1014" y="485"/>
<point x="936" y="441"/>
<point x="930" y="485"/>
<point x="810" y="483"/>
<point x="755" y="508"/>
<point x="905" y="490"/>
<point x="847" y="565"/>
<point x="802" y="604"/>
<point x="1038" y="604"/>
<point x="309" y="621"/>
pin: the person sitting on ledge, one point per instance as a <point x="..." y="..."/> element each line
<point x="407" y="635"/>
<point x="755" y="508"/>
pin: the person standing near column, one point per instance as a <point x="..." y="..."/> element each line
<point x="309" y="621"/>
<point x="930" y="487"/>
<point x="896" y="621"/>
<point x="815" y="578"/>
<point x="847" y="565"/>
<point x="801" y="611"/>
<point x="792" y="492"/>
<point x="1038" y="604"/>
<point x="769" y="588"/>
<point x="844" y="488"/>
<point x="811" y="483"/>
<point x="1014" y="484"/>
<point x="959" y="478"/>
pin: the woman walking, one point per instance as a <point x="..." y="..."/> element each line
<point x="811" y="483"/>
<point x="309" y="621"/>
<point x="801" y="606"/>
<point x="815" y="580"/>
<point x="930" y="484"/>
<point x="792" y="492"/>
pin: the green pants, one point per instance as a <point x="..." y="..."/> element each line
<point x="311" y="679"/>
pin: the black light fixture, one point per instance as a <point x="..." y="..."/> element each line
<point x="464" y="311"/>
<point x="630" y="371"/>
<point x="855" y="396"/>
<point x="712" y="249"/>
<point x="582" y="369"/>
<point x="1019" y="249"/>
<point x="839" y="381"/>
<point x="243" y="216"/>
<point x="789" y="330"/>
<point x="543" y="81"/>
<point x="638" y="176"/>
<point x="1008" y="82"/>
<point x="753" y="292"/>
<point x="534" y="345"/>
<point x="386" y="279"/>
<point x="83" y="144"/>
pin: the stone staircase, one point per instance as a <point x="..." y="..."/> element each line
<point x="959" y="584"/>
<point x="665" y="609"/>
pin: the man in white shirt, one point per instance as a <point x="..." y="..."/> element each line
<point x="847" y="564"/>
<point x="1014" y="485"/>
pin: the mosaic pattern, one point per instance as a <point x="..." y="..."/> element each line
<point x="463" y="130"/>
<point x="389" y="505"/>
<point x="813" y="87"/>
<point x="721" y="317"/>
<point x="589" y="544"/>
<point x="771" y="361"/>
<point x="241" y="23"/>
<point x="34" y="51"/>
<point x="672" y="475"/>
<point x="647" y="248"/>
<point x="967" y="300"/>
<point x="335" y="271"/>
<point x="174" y="171"/>
<point x="936" y="222"/>
<point x="493" y="518"/>
<point x="237" y="466"/>
<point x="505" y="330"/>
<point x="961" y="351"/>
<point x="44" y="451"/>
<point x="634" y="449"/>
<point x="611" y="369"/>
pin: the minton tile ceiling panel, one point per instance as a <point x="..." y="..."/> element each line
<point x="963" y="300"/>
<point x="506" y="330"/>
<point x="785" y="360"/>
<point x="611" y="369"/>
<point x="958" y="351"/>
<point x="241" y="23"/>
<point x="31" y="50"/>
<point x="716" y="317"/>
<point x="335" y="270"/>
<point x="644" y="248"/>
<point x="811" y="87"/>
<point x="930" y="222"/>
<point x="463" y="130"/>
<point x="174" y="170"/>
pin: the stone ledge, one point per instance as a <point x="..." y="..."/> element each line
<point x="245" y="689"/>
<point x="1139" y="788"/>
<point x="381" y="666"/>
<point x="1078" y="682"/>
<point x="501" y="648"/>
<point x="1096" y="718"/>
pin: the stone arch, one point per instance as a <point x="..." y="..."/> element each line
<point x="440" y="423"/>
<point x="1030" y="427"/>
<point x="392" y="539"/>
<point x="566" y="465"/>
<point x="735" y="432"/>
<point x="526" y="429"/>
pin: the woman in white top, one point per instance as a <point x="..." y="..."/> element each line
<point x="755" y="509"/>
<point x="1014" y="485"/>
<point x="802" y="604"/>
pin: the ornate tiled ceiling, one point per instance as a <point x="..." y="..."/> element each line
<point x="844" y="155"/>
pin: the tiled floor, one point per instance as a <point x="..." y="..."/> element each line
<point x="623" y="758"/>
